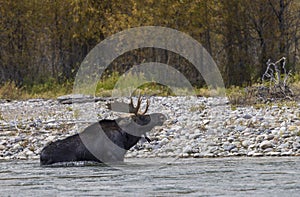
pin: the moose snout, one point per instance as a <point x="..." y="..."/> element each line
<point x="158" y="118"/>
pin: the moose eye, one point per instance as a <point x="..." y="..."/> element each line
<point x="142" y="118"/>
<point x="162" y="117"/>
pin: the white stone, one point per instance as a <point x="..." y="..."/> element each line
<point x="2" y="147"/>
<point x="273" y="154"/>
<point x="288" y="153"/>
<point x="246" y="143"/>
<point x="266" y="144"/>
<point x="187" y="149"/>
<point x="282" y="129"/>
<point x="50" y="138"/>
<point x="269" y="137"/>
<point x="251" y="153"/>
<point x="164" y="141"/>
<point x="184" y="155"/>
<point x="16" y="146"/>
<point x="258" y="155"/>
<point x="29" y="153"/>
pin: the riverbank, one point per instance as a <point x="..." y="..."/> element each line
<point x="196" y="127"/>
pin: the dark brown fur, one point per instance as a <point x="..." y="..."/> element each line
<point x="91" y="145"/>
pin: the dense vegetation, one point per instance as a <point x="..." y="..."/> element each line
<point x="42" y="43"/>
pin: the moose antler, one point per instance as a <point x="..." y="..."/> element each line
<point x="124" y="107"/>
<point x="136" y="109"/>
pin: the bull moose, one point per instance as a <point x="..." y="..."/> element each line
<point x="106" y="141"/>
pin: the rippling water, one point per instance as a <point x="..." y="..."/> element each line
<point x="156" y="177"/>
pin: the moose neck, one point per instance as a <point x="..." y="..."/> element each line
<point x="131" y="140"/>
<point x="133" y="130"/>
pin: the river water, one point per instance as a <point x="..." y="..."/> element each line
<point x="267" y="176"/>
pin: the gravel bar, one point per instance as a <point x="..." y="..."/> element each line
<point x="196" y="127"/>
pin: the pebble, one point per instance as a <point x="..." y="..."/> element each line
<point x="273" y="154"/>
<point x="50" y="138"/>
<point x="187" y="149"/>
<point x="251" y="153"/>
<point x="282" y="129"/>
<point x="296" y="146"/>
<point x="164" y="141"/>
<point x="2" y="147"/>
<point x="229" y="147"/>
<point x="293" y="128"/>
<point x="230" y="139"/>
<point x="258" y="154"/>
<point x="268" y="150"/>
<point x="247" y="116"/>
<point x="266" y="144"/>
<point x="288" y="153"/>
<point x="246" y="143"/>
<point x="269" y="137"/>
<point x="215" y="131"/>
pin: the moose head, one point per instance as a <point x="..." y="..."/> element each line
<point x="139" y="121"/>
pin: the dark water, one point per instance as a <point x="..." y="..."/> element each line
<point x="156" y="177"/>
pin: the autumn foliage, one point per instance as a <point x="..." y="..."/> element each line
<point x="42" y="41"/>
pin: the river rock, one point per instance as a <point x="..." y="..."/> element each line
<point x="259" y="138"/>
<point x="266" y="144"/>
<point x="268" y="150"/>
<point x="229" y="147"/>
<point x="250" y="153"/>
<point x="17" y="146"/>
<point x="292" y="128"/>
<point x="246" y="143"/>
<point x="258" y="154"/>
<point x="164" y="141"/>
<point x="187" y="149"/>
<point x="273" y="153"/>
<point x="209" y="155"/>
<point x="29" y="153"/>
<point x="247" y="116"/>
<point x="287" y="153"/>
<point x="296" y="145"/>
<point x="282" y="129"/>
<point x="2" y="147"/>
<point x="50" y="138"/>
<point x="184" y="155"/>
<point x="269" y="137"/>
<point x="230" y="139"/>
<point x="194" y="136"/>
<point x="197" y="155"/>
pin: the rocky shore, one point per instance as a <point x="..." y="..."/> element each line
<point x="196" y="127"/>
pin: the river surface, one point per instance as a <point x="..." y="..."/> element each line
<point x="268" y="176"/>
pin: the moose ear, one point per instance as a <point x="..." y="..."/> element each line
<point x="124" y="122"/>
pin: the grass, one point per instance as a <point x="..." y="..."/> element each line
<point x="129" y="83"/>
<point x="11" y="91"/>
<point x="263" y="95"/>
<point x="237" y="96"/>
